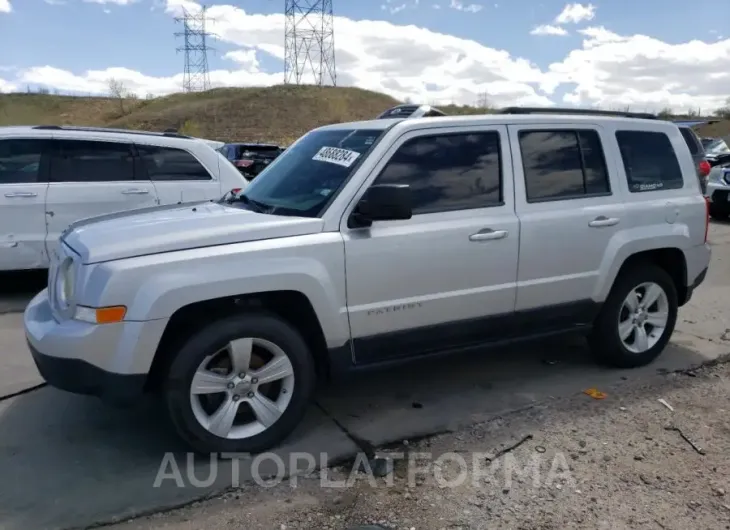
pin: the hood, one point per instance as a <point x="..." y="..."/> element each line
<point x="178" y="227"/>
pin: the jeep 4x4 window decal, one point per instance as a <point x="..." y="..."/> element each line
<point x="336" y="155"/>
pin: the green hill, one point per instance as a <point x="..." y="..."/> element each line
<point x="277" y="114"/>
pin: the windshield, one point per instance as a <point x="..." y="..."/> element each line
<point x="307" y="175"/>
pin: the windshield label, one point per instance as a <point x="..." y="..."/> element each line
<point x="336" y="155"/>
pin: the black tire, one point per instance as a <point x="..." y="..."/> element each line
<point x="604" y="338"/>
<point x="214" y="337"/>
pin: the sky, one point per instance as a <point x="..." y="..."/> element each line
<point x="640" y="54"/>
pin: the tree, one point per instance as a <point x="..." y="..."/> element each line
<point x="724" y="112"/>
<point x="118" y="90"/>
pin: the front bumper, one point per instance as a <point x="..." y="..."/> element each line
<point x="717" y="189"/>
<point x="110" y="361"/>
<point x="81" y="377"/>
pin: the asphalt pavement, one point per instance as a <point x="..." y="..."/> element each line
<point x="70" y="461"/>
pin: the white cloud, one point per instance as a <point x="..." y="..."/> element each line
<point x="393" y="8"/>
<point x="55" y="2"/>
<point x="547" y="29"/>
<point x="574" y="13"/>
<point x="470" y="8"/>
<point x="7" y="86"/>
<point x="643" y="72"/>
<point x="5" y="6"/>
<point x="406" y="61"/>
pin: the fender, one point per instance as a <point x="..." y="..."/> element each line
<point x="167" y="282"/>
<point x="631" y="241"/>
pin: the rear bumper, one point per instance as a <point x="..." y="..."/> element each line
<point x="694" y="285"/>
<point x="697" y="261"/>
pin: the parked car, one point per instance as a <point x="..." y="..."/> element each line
<point x="408" y="110"/>
<point x="51" y="176"/>
<point x="718" y="183"/>
<point x="718" y="152"/>
<point x="251" y="159"/>
<point x="374" y="243"/>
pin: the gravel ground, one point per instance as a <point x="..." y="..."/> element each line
<point x="620" y="462"/>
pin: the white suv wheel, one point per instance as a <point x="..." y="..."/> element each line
<point x="243" y="389"/>
<point x="643" y="317"/>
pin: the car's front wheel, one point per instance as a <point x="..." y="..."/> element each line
<point x="638" y="318"/>
<point x="241" y="384"/>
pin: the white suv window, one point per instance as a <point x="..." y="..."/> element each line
<point x="649" y="160"/>
<point x="20" y="161"/>
<point x="563" y="164"/>
<point x="91" y="161"/>
<point x="446" y="172"/>
<point x="168" y="163"/>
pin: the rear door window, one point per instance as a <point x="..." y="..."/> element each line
<point x="20" y="161"/>
<point x="649" y="161"/>
<point x="91" y="161"/>
<point x="563" y="164"/>
<point x="170" y="164"/>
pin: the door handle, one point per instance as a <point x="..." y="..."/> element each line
<point x="21" y="194"/>
<point x="487" y="234"/>
<point x="135" y="191"/>
<point x="602" y="220"/>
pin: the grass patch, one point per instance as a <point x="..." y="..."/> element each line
<point x="277" y="114"/>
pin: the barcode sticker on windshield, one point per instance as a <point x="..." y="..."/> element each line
<point x="336" y="155"/>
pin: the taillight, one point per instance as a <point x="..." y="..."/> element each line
<point x="235" y="191"/>
<point x="243" y="163"/>
<point x="707" y="217"/>
<point x="705" y="168"/>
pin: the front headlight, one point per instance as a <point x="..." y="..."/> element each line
<point x="65" y="283"/>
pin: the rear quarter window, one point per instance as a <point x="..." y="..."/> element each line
<point x="171" y="164"/>
<point x="649" y="161"/>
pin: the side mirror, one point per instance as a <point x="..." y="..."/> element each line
<point x="384" y="202"/>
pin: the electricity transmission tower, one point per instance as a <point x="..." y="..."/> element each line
<point x="195" y="46"/>
<point x="309" y="42"/>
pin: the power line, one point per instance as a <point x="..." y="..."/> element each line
<point x="309" y="42"/>
<point x="195" y="45"/>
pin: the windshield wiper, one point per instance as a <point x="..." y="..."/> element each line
<point x="256" y="206"/>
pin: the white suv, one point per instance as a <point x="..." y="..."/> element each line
<point x="370" y="243"/>
<point x="51" y="176"/>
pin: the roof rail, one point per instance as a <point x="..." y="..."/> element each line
<point x="587" y="112"/>
<point x="108" y="130"/>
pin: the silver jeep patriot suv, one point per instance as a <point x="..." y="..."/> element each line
<point x="372" y="243"/>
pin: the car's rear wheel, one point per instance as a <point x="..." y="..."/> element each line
<point x="241" y="384"/>
<point x="638" y="318"/>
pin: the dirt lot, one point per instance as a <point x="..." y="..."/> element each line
<point x="612" y="463"/>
